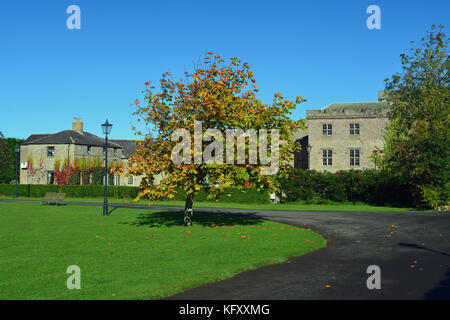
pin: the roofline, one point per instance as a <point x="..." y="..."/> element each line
<point x="78" y="144"/>
<point x="359" y="102"/>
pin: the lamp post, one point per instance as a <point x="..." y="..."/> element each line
<point x="106" y="127"/>
<point x="17" y="151"/>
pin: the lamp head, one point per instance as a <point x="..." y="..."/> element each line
<point x="106" y="127"/>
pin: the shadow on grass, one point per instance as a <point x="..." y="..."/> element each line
<point x="205" y="219"/>
<point x="112" y="210"/>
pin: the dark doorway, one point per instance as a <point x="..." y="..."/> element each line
<point x="301" y="160"/>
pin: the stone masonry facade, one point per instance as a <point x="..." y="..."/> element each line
<point x="45" y="149"/>
<point x="342" y="136"/>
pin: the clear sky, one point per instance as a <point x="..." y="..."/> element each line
<point x="321" y="50"/>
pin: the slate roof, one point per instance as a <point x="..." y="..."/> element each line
<point x="129" y="146"/>
<point x="357" y="106"/>
<point x="35" y="137"/>
<point x="69" y="137"/>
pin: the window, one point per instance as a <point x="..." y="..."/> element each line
<point x="89" y="149"/>
<point x="50" y="177"/>
<point x="130" y="181"/>
<point x="50" y="151"/>
<point x="354" y="157"/>
<point x="327" y="129"/>
<point x="115" y="152"/>
<point x="354" y="128"/>
<point x="104" y="150"/>
<point x="327" y="157"/>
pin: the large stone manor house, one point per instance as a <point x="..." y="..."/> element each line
<point x="342" y="136"/>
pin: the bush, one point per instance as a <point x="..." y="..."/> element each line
<point x="249" y="195"/>
<point x="97" y="176"/>
<point x="23" y="190"/>
<point x="378" y="187"/>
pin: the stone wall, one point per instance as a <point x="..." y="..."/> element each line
<point x="42" y="163"/>
<point x="371" y="129"/>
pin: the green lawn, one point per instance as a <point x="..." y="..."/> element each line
<point x="133" y="253"/>
<point x="293" y="206"/>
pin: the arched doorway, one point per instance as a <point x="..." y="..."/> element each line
<point x="301" y="160"/>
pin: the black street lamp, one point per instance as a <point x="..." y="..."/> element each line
<point x="17" y="151"/>
<point x="106" y="127"/>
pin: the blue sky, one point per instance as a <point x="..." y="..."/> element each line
<point x="321" y="50"/>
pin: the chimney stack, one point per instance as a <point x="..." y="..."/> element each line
<point x="77" y="125"/>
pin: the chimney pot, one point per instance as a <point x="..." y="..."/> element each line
<point x="77" y="125"/>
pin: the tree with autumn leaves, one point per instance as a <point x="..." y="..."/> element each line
<point x="220" y="96"/>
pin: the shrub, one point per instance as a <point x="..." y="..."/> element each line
<point x="379" y="187"/>
<point x="23" y="190"/>
<point x="249" y="195"/>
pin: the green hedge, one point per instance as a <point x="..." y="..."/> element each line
<point x="379" y="187"/>
<point x="71" y="191"/>
<point x="250" y="195"/>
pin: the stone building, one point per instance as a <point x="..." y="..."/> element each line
<point x="342" y="136"/>
<point x="39" y="152"/>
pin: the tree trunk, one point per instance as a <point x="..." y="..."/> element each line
<point x="188" y="211"/>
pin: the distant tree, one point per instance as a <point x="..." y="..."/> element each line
<point x="6" y="161"/>
<point x="418" y="137"/>
<point x="221" y="96"/>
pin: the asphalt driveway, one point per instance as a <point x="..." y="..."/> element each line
<point x="411" y="249"/>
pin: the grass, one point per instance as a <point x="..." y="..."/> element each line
<point x="133" y="253"/>
<point x="292" y="206"/>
